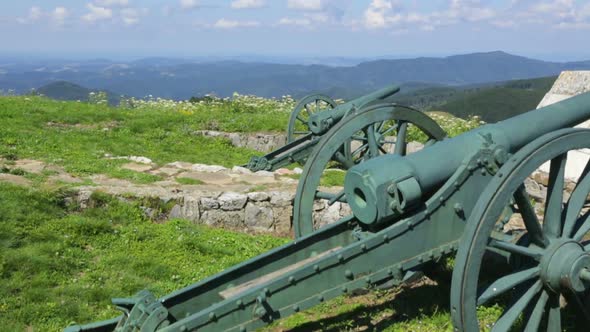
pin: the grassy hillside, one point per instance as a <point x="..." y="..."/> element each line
<point x="80" y="136"/>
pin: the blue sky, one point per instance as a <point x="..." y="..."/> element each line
<point x="549" y="29"/>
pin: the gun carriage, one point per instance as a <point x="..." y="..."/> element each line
<point x="456" y="195"/>
<point x="310" y="120"/>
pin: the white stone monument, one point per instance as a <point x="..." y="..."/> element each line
<point x="569" y="84"/>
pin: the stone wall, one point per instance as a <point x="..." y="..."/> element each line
<point x="257" y="141"/>
<point x="254" y="211"/>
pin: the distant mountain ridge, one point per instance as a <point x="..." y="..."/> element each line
<point x="171" y="78"/>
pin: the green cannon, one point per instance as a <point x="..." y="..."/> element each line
<point x="312" y="116"/>
<point x="466" y="195"/>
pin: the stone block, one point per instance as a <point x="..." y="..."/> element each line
<point x="231" y="201"/>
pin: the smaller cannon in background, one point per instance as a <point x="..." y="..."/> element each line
<point x="312" y="116"/>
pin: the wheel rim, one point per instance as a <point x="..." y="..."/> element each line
<point x="374" y="124"/>
<point x="556" y="254"/>
<point x="311" y="104"/>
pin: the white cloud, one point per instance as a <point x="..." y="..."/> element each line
<point x="112" y="3"/>
<point x="469" y="10"/>
<point x="295" y="21"/>
<point x="97" y="13"/>
<point x="309" y="20"/>
<point x="245" y="4"/>
<point x="231" y="24"/>
<point x="387" y="14"/>
<point x="504" y="23"/>
<point x="59" y="15"/>
<point x="131" y="16"/>
<point x="35" y="13"/>
<point x="380" y="14"/>
<point x="189" y="4"/>
<point x="561" y="14"/>
<point x="305" y="4"/>
<point x="56" y="17"/>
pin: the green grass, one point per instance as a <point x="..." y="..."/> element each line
<point x="77" y="136"/>
<point x="59" y="266"/>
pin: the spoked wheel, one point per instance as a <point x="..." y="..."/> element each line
<point x="298" y="125"/>
<point x="371" y="132"/>
<point x="552" y="278"/>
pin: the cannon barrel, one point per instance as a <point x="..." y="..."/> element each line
<point x="319" y="123"/>
<point x="387" y="186"/>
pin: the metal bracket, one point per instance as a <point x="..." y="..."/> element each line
<point x="148" y="314"/>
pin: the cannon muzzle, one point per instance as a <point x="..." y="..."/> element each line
<point x="387" y="186"/>
<point x="319" y="123"/>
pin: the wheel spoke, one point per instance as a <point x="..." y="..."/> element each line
<point x="584" y="227"/>
<point x="327" y="195"/>
<point x="301" y="119"/>
<point x="372" y="141"/>
<point x="506" y="283"/>
<point x="308" y="109"/>
<point x="532" y="252"/>
<point x="554" y="318"/>
<point x="576" y="202"/>
<point x="317" y="105"/>
<point x="537" y="315"/>
<point x="359" y="138"/>
<point x="338" y="197"/>
<point x="388" y="130"/>
<point x="340" y="158"/>
<point x="529" y="217"/>
<point x="509" y="316"/>
<point x="553" y="205"/>
<point x="359" y="149"/>
<point x="301" y="132"/>
<point x="400" y="145"/>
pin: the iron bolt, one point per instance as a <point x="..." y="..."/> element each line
<point x="260" y="312"/>
<point x="348" y="274"/>
<point x="391" y="189"/>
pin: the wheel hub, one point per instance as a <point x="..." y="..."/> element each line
<point x="566" y="266"/>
